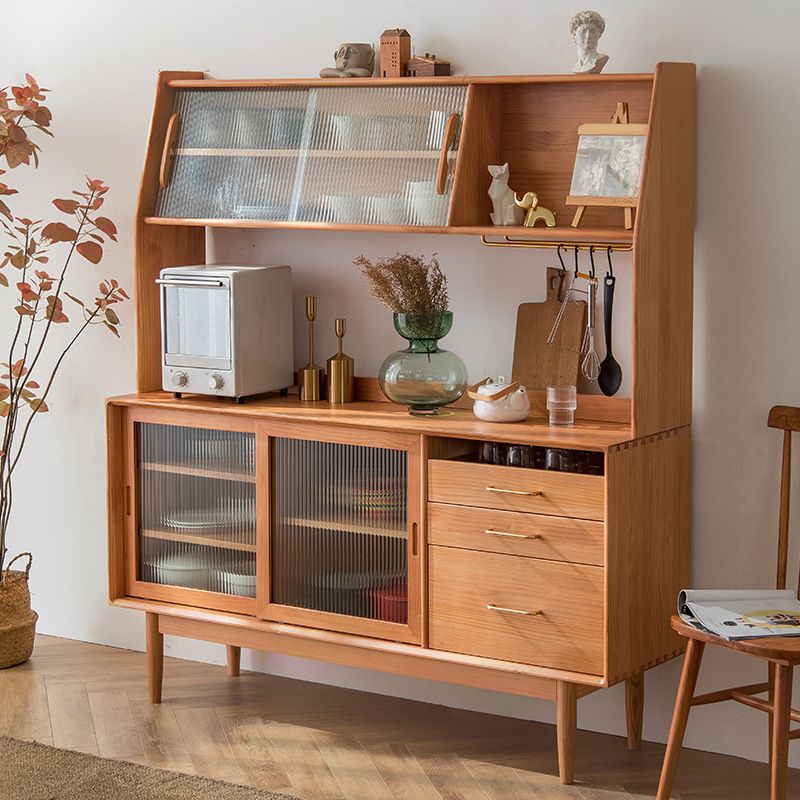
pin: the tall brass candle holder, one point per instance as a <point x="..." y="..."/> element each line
<point x="340" y="370"/>
<point x="310" y="376"/>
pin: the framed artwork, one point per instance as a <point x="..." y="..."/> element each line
<point x="608" y="168"/>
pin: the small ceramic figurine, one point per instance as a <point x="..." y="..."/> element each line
<point x="353" y="60"/>
<point x="586" y="28"/>
<point x="505" y="211"/>
<point x="500" y="401"/>
<point x="535" y="212"/>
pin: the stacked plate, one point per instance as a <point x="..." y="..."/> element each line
<point x="376" y="499"/>
<point x="199" y="521"/>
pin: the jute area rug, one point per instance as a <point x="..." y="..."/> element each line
<point x="31" y="771"/>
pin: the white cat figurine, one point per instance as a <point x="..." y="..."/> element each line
<point x="506" y="212"/>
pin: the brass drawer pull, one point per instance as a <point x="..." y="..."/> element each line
<point x="493" y="607"/>
<point x="493" y="532"/>
<point x="513" y="491"/>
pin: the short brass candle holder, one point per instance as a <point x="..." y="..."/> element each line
<point x="340" y="370"/>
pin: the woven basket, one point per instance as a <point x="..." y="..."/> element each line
<point x="16" y="641"/>
<point x="17" y="621"/>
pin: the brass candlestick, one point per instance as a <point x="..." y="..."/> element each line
<point x="340" y="370"/>
<point x="310" y="376"/>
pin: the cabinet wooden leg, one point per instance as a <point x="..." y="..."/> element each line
<point x="234" y="659"/>
<point x="680" y="716"/>
<point x="566" y="729"/>
<point x="155" y="657"/>
<point x="779" y="762"/>
<point x="634" y="709"/>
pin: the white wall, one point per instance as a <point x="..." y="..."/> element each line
<point x="100" y="60"/>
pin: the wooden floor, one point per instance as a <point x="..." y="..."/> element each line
<point x="314" y="741"/>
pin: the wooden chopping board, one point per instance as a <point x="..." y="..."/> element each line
<point x="538" y="364"/>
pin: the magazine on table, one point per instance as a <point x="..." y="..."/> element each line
<point x="741" y="613"/>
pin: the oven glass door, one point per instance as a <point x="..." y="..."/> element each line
<point x="196" y="314"/>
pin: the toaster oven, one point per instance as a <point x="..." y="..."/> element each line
<point x="226" y="330"/>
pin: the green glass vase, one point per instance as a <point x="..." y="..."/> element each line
<point x="423" y="376"/>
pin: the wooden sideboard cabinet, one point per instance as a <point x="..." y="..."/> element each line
<point x="363" y="536"/>
<point x="358" y="534"/>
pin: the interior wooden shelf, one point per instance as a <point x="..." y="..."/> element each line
<point x="197" y="472"/>
<point x="457" y="423"/>
<point x="243" y="153"/>
<point x="565" y="235"/>
<point x="213" y="540"/>
<point x="345" y="527"/>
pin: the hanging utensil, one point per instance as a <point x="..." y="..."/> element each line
<point x="610" y="378"/>
<point x="565" y="300"/>
<point x="590" y="366"/>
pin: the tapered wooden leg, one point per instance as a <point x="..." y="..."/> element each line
<point x="155" y="657"/>
<point x="566" y="729"/>
<point x="779" y="762"/>
<point x="683" y="703"/>
<point x="634" y="709"/>
<point x="234" y="658"/>
<point x="771" y="696"/>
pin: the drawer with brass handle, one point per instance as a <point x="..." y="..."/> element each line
<point x="561" y="494"/>
<point x="527" y="610"/>
<point x="515" y="533"/>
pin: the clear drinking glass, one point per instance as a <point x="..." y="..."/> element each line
<point x="561" y="403"/>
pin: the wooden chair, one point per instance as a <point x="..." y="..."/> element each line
<point x="781" y="654"/>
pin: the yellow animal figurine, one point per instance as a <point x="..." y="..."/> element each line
<point x="534" y="212"/>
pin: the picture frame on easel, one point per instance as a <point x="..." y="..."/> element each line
<point x="608" y="166"/>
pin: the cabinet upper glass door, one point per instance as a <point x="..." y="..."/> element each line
<point x="382" y="155"/>
<point x="196" y="508"/>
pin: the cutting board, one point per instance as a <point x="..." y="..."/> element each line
<point x="538" y="364"/>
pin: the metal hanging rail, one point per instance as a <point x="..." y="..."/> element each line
<point x="507" y="241"/>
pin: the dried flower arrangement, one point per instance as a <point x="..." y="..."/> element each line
<point x="32" y="365"/>
<point x="407" y="284"/>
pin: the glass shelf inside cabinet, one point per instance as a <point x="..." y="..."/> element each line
<point x="349" y="155"/>
<point x="339" y="529"/>
<point x="197" y="514"/>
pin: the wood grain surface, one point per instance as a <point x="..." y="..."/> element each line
<point x="537" y="363"/>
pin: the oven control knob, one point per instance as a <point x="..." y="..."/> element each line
<point x="216" y="382"/>
<point x="179" y="379"/>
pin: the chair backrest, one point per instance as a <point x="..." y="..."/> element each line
<point x="787" y="418"/>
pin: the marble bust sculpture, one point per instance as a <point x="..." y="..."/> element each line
<point x="586" y="28"/>
<point x="353" y="60"/>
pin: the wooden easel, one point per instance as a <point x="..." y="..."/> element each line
<point x="620" y="118"/>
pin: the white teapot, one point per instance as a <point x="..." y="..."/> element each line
<point x="498" y="401"/>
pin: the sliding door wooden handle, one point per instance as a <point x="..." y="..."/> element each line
<point x="167" y="156"/>
<point x="500" y="490"/>
<point x="447" y="143"/>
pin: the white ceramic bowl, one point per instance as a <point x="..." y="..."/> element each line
<point x="239" y="578"/>
<point x="179" y="570"/>
<point x="425" y="206"/>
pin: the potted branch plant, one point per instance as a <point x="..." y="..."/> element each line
<point x="34" y="358"/>
<point x="422" y="376"/>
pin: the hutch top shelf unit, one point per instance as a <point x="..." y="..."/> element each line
<point x="411" y="155"/>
